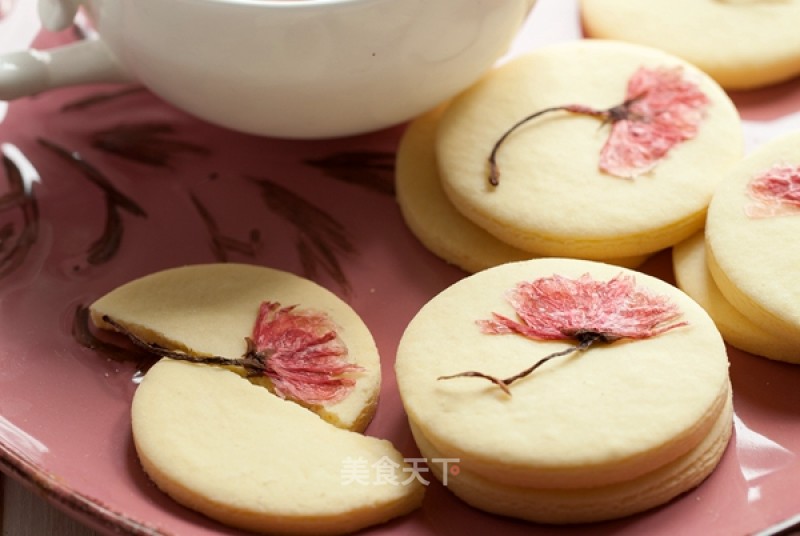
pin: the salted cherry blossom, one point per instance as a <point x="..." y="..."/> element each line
<point x="662" y="108"/>
<point x="774" y="192"/>
<point x="302" y="354"/>
<point x="298" y="350"/>
<point x="583" y="310"/>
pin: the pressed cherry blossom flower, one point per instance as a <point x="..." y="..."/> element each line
<point x="775" y="192"/>
<point x="582" y="310"/>
<point x="662" y="108"/>
<point x="299" y="351"/>
<point x="303" y="355"/>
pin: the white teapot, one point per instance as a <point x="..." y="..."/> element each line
<point x="283" y="68"/>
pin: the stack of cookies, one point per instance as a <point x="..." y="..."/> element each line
<point x="743" y="268"/>
<point x="590" y="435"/>
<point x="488" y="180"/>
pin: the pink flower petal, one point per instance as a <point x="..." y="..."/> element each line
<point x="775" y="192"/>
<point x="305" y="359"/>
<point x="560" y="308"/>
<point x="665" y="109"/>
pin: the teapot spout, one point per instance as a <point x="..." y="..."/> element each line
<point x="21" y="74"/>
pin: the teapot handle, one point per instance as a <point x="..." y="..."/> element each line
<point x="28" y="72"/>
<point x="58" y="14"/>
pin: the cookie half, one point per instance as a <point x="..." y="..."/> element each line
<point x="741" y="44"/>
<point x="552" y="197"/>
<point x="227" y="448"/>
<point x="211" y="309"/>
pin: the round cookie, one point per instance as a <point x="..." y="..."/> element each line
<point x="602" y="417"/>
<point x="434" y="220"/>
<point x="591" y="504"/>
<point x="235" y="452"/>
<point x="741" y="44"/>
<point x="753" y="258"/>
<point x="693" y="277"/>
<point x="211" y="309"/>
<point x="552" y="198"/>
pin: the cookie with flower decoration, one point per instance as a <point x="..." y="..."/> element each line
<point x="751" y="238"/>
<point x="433" y="219"/>
<point x="589" y="149"/>
<point x="743" y="44"/>
<point x="568" y="390"/>
<point x="231" y="420"/>
<point x="226" y="310"/>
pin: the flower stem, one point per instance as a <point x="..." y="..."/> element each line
<point x="173" y="354"/>
<point x="609" y="115"/>
<point x="584" y="342"/>
<point x="494" y="169"/>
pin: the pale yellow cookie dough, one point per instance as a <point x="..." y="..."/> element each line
<point x="427" y="211"/>
<point x="434" y="220"/>
<point x="693" y="277"/>
<point x="608" y="415"/>
<point x="743" y="44"/>
<point x="209" y="309"/>
<point x="563" y="506"/>
<point x="552" y="198"/>
<point x="754" y="261"/>
<point x="235" y="452"/>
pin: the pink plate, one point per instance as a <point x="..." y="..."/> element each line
<point x="100" y="185"/>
